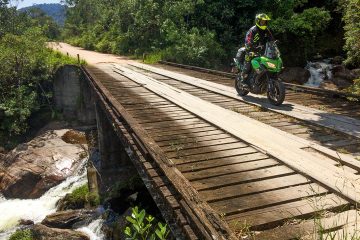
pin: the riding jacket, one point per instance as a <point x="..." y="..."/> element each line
<point x="256" y="37"/>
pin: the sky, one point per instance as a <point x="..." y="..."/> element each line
<point x="26" y="3"/>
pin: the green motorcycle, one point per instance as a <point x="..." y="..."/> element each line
<point x="263" y="77"/>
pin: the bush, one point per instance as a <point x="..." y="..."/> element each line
<point x="142" y="226"/>
<point x="299" y="34"/>
<point x="355" y="88"/>
<point x="193" y="47"/>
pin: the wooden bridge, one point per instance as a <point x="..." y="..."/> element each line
<point x="220" y="166"/>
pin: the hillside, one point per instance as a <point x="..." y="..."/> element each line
<point x="54" y="10"/>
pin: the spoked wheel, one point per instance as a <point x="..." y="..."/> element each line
<point x="276" y="94"/>
<point x="240" y="90"/>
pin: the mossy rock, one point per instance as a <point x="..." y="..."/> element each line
<point x="25" y="234"/>
<point x="79" y="198"/>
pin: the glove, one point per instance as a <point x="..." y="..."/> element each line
<point x="251" y="54"/>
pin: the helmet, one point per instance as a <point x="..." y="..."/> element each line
<point x="261" y="20"/>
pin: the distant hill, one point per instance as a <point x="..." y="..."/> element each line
<point x="54" y="10"/>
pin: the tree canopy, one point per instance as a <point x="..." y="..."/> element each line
<point x="205" y="32"/>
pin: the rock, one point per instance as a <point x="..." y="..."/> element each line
<point x="343" y="77"/>
<point x="69" y="219"/>
<point x="114" y="225"/>
<point x="341" y="83"/>
<point x="341" y="71"/>
<point x="34" y="167"/>
<point x="26" y="222"/>
<point x="337" y="60"/>
<point x="295" y="75"/>
<point x="42" y="232"/>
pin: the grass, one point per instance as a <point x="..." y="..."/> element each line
<point x="152" y="58"/>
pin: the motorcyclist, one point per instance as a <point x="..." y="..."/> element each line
<point x="255" y="39"/>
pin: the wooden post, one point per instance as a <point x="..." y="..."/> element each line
<point x="78" y="57"/>
<point x="67" y="54"/>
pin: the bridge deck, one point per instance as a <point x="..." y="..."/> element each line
<point x="233" y="182"/>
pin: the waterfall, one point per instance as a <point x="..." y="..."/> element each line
<point x="13" y="210"/>
<point x="319" y="71"/>
<point x="93" y="230"/>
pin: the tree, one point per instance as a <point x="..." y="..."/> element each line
<point x="352" y="31"/>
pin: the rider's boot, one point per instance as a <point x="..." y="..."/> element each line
<point x="244" y="77"/>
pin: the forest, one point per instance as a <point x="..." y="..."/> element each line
<point x="27" y="69"/>
<point x="202" y="32"/>
<point x="208" y="33"/>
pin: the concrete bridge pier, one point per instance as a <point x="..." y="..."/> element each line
<point x="115" y="165"/>
<point x="76" y="100"/>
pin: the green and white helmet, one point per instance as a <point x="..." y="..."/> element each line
<point x="261" y="20"/>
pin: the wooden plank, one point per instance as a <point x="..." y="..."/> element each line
<point x="229" y="169"/>
<point x="162" y="119"/>
<point x="340" y="123"/>
<point x="217" y="162"/>
<point x="243" y="177"/>
<point x="261" y="200"/>
<point x="187" y="153"/>
<point x="207" y="140"/>
<point x="211" y="223"/>
<point x="274" y="215"/>
<point x="184" y="122"/>
<point x="185" y="133"/>
<point x="161" y="113"/>
<point x="206" y="157"/>
<point x="311" y="229"/>
<point x="192" y="143"/>
<point x="284" y="146"/>
<point x="178" y="128"/>
<point x="253" y="187"/>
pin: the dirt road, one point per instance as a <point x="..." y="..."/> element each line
<point x="90" y="57"/>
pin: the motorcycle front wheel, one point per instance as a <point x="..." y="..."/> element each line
<point x="276" y="93"/>
<point x="240" y="90"/>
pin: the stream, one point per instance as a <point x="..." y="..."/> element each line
<point x="319" y="71"/>
<point x="13" y="210"/>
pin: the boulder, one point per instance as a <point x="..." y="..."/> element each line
<point x="69" y="219"/>
<point x="296" y="75"/>
<point x="26" y="222"/>
<point x="32" y="168"/>
<point x="42" y="232"/>
<point x="340" y="71"/>
<point x="341" y="83"/>
<point x="337" y="60"/>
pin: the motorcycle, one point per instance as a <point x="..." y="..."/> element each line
<point x="263" y="77"/>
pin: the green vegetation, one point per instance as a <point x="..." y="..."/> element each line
<point x="22" y="235"/>
<point x="352" y="28"/>
<point x="205" y="32"/>
<point x="142" y="226"/>
<point x="27" y="69"/>
<point x="79" y="198"/>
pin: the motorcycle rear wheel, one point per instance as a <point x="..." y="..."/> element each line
<point x="240" y="90"/>
<point x="276" y="96"/>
